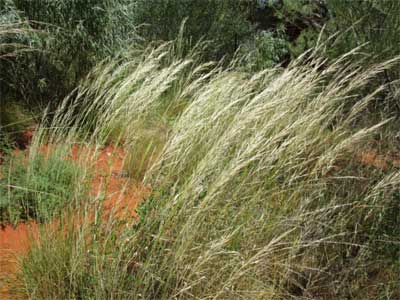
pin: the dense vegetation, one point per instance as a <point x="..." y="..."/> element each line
<point x="266" y="130"/>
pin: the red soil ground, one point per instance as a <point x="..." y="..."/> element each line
<point x="121" y="199"/>
<point x="379" y="161"/>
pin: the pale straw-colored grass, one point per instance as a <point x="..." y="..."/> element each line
<point x="244" y="202"/>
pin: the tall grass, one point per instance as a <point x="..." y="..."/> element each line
<point x="137" y="95"/>
<point x="256" y="192"/>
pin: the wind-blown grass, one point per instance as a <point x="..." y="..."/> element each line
<point x="256" y="194"/>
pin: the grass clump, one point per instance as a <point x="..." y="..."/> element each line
<point x="37" y="187"/>
<point x="251" y="199"/>
<point x="244" y="206"/>
<point x="71" y="257"/>
<point x="134" y="98"/>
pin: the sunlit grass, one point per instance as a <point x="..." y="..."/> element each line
<point x="255" y="194"/>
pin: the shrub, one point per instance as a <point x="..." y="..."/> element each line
<point x="372" y="25"/>
<point x="264" y="50"/>
<point x="14" y="122"/>
<point x="68" y="38"/>
<point x="37" y="187"/>
<point x="223" y="22"/>
<point x="375" y="26"/>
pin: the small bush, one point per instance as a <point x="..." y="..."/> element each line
<point x="223" y="22"/>
<point x="15" y="120"/>
<point x="65" y="38"/>
<point x="264" y="50"/>
<point x="36" y="188"/>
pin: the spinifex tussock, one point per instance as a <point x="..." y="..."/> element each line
<point x="243" y="183"/>
<point x="248" y="199"/>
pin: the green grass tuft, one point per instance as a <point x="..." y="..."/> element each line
<point x="37" y="187"/>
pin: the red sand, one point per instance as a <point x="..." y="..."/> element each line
<point x="13" y="243"/>
<point x="122" y="197"/>
<point x="379" y="161"/>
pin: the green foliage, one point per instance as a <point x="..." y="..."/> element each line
<point x="373" y="24"/>
<point x="264" y="50"/>
<point x="369" y="23"/>
<point x="65" y="38"/>
<point x="223" y="22"/>
<point x="37" y="188"/>
<point x="14" y="122"/>
<point x="298" y="22"/>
